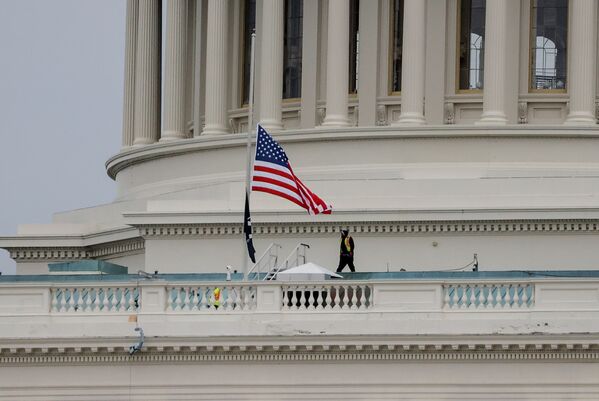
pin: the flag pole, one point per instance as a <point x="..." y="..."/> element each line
<point x="250" y="130"/>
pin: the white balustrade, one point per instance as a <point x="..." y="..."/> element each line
<point x="211" y="298"/>
<point x="94" y="299"/>
<point x="321" y="297"/>
<point x="488" y="296"/>
<point x="318" y="297"/>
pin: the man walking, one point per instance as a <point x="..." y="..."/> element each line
<point x="346" y="256"/>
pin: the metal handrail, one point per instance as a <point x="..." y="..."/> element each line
<point x="297" y="253"/>
<point x="269" y="252"/>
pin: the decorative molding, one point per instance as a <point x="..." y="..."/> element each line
<point x="355" y="117"/>
<point x="522" y="113"/>
<point x="110" y="249"/>
<point x="381" y="115"/>
<point x="597" y="111"/>
<point x="134" y="155"/>
<point x="382" y="228"/>
<point x="299" y="353"/>
<point x="320" y="115"/>
<point x="449" y="117"/>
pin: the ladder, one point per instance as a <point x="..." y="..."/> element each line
<point x="298" y="254"/>
<point x="268" y="260"/>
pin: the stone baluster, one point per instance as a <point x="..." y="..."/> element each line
<point x="204" y="298"/>
<point x="286" y="300"/>
<point x="345" y="297"/>
<point x="354" y="297"/>
<point x="447" y="295"/>
<point x="329" y="300"/>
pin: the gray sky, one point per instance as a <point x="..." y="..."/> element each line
<point x="61" y="78"/>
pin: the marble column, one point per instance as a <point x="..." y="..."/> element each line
<point x="337" y="59"/>
<point x="216" y="68"/>
<point x="495" y="74"/>
<point x="582" y="70"/>
<point x="271" y="74"/>
<point x="174" y="70"/>
<point x="413" y="63"/>
<point x="129" y="83"/>
<point x="147" y="73"/>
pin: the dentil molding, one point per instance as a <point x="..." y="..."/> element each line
<point x="300" y="353"/>
<point x="377" y="228"/>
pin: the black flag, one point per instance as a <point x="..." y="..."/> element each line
<point x="247" y="229"/>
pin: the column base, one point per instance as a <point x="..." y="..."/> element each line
<point x="492" y="118"/>
<point x="215" y="130"/>
<point x="168" y="136"/>
<point x="580" y="118"/>
<point x="271" y="125"/>
<point x="410" y="118"/>
<point x="143" y="142"/>
<point x="335" y="121"/>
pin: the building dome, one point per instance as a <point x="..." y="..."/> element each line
<point x="435" y="129"/>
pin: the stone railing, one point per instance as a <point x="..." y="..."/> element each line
<point x="488" y="295"/>
<point x="161" y="296"/>
<point x="94" y="299"/>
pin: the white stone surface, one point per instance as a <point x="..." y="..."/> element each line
<point x="147" y="73"/>
<point x="413" y="63"/>
<point x="337" y="74"/>
<point x="175" y="69"/>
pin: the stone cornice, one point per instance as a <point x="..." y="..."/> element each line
<point x="131" y="156"/>
<point x="24" y="253"/>
<point x="65" y="253"/>
<point x="377" y="227"/>
<point x="189" y="351"/>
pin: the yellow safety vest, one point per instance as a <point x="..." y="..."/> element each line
<point x="216" y="300"/>
<point x="347" y="244"/>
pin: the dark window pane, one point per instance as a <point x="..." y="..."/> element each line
<point x="549" y="44"/>
<point x="397" y="45"/>
<point x="471" y="50"/>
<point x="292" y="53"/>
<point x="249" y="26"/>
<point x="354" y="44"/>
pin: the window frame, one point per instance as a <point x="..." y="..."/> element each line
<point x="297" y="98"/>
<point x="532" y="41"/>
<point x="391" y="60"/>
<point x="242" y="102"/>
<point x="458" y="90"/>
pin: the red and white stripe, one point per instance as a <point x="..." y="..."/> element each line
<point x="281" y="181"/>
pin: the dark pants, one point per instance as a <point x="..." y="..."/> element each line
<point x="346" y="260"/>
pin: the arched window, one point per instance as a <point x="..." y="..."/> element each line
<point x="292" y="53"/>
<point x="397" y="25"/>
<point x="548" y="43"/>
<point x="471" y="50"/>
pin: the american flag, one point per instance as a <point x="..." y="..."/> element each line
<point x="273" y="174"/>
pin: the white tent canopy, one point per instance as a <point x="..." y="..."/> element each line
<point x="306" y="272"/>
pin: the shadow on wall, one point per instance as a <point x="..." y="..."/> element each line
<point x="7" y="265"/>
